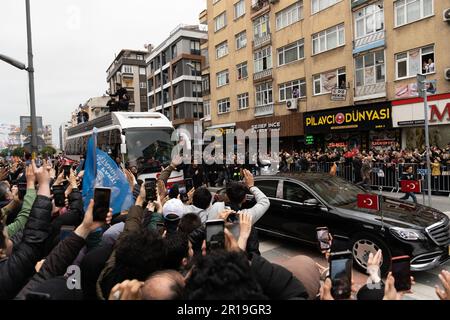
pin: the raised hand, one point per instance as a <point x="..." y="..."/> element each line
<point x="445" y="280"/>
<point x="43" y="177"/>
<point x="248" y="178"/>
<point x="127" y="290"/>
<point x="245" y="223"/>
<point x="31" y="178"/>
<point x="89" y="225"/>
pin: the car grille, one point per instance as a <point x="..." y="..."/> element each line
<point x="440" y="232"/>
<point x="427" y="258"/>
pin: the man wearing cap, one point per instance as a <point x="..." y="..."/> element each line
<point x="173" y="211"/>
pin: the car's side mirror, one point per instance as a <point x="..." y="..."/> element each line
<point x="312" y="202"/>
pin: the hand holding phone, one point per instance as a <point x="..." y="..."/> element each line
<point x="59" y="196"/>
<point x="215" y="235"/>
<point x="323" y="238"/>
<point x="401" y="271"/>
<point x="189" y="183"/>
<point x="150" y="190"/>
<point x="341" y="274"/>
<point x="102" y="199"/>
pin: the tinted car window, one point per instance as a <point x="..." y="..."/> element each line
<point x="295" y="192"/>
<point x="268" y="187"/>
<point x="336" y="191"/>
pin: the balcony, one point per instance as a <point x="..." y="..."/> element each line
<point x="370" y="91"/>
<point x="369" y="42"/>
<point x="356" y="3"/>
<point x="259" y="4"/>
<point x="266" y="110"/>
<point x="260" y="42"/>
<point x="262" y="75"/>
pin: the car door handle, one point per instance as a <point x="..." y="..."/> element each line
<point x="287" y="206"/>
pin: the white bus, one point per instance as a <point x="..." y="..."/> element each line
<point x="140" y="139"/>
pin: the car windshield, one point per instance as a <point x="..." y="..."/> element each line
<point x="148" y="150"/>
<point x="335" y="191"/>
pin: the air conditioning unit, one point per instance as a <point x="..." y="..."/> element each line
<point x="292" y="104"/>
<point x="447" y="74"/>
<point x="447" y="15"/>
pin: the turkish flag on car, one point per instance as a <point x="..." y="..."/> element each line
<point x="411" y="186"/>
<point x="368" y="201"/>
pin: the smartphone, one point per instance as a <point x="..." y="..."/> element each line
<point x="323" y="237"/>
<point x="102" y="198"/>
<point x="340" y="243"/>
<point x="341" y="274"/>
<point x="37" y="296"/>
<point x="22" y="186"/>
<point x="59" y="196"/>
<point x="401" y="270"/>
<point x="150" y="189"/>
<point x="215" y="236"/>
<point x="65" y="232"/>
<point x="189" y="183"/>
<point x="67" y="171"/>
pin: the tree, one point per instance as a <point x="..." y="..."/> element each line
<point x="18" y="152"/>
<point x="48" y="150"/>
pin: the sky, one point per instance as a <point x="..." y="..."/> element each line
<point x="74" y="42"/>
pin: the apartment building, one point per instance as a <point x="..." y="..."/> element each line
<point x="174" y="77"/>
<point x="129" y="69"/>
<point x="329" y="73"/>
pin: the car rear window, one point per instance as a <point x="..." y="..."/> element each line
<point x="268" y="187"/>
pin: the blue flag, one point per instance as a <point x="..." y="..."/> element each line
<point x="101" y="171"/>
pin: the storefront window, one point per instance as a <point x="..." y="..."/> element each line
<point x="415" y="137"/>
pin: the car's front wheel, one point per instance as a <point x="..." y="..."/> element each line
<point x="363" y="245"/>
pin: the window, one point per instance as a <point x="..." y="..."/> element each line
<point x="195" y="68"/>
<point x="369" y="69"/>
<point x="323" y="83"/>
<point x="127" y="69"/>
<point x="223" y="78"/>
<point x="268" y="187"/>
<point x="369" y="19"/>
<point x="174" y="51"/>
<point x="221" y="50"/>
<point x="242" y="70"/>
<point x="264" y="95"/>
<point x="263" y="59"/>
<point x="261" y="26"/>
<point x="295" y="192"/>
<point x="407" y="11"/>
<point x="206" y="108"/>
<point x="220" y="21"/>
<point x="205" y="83"/>
<point x="290" y="53"/>
<point x="290" y="15"/>
<point x="142" y="71"/>
<point x="239" y="9"/>
<point x="223" y="106"/>
<point x="241" y="40"/>
<point x="319" y="5"/>
<point x="292" y="89"/>
<point x="195" y="47"/>
<point x="243" y="101"/>
<point x="143" y="85"/>
<point x="328" y="39"/>
<point x="412" y="62"/>
<point x="196" y="89"/>
<point x="140" y="57"/>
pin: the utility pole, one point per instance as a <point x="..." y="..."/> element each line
<point x="421" y="86"/>
<point x="30" y="69"/>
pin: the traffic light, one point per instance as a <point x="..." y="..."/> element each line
<point x="421" y="84"/>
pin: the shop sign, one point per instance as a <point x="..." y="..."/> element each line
<point x="410" y="90"/>
<point x="338" y="94"/>
<point x="409" y="115"/>
<point x="380" y="142"/>
<point x="309" y="140"/>
<point x="337" y="145"/>
<point x="266" y="126"/>
<point x="364" y="117"/>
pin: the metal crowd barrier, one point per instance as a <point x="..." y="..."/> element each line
<point x="386" y="175"/>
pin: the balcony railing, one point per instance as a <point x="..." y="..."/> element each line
<point x="262" y="75"/>
<point x="259" y="42"/>
<point x="266" y="110"/>
<point x="356" y="3"/>
<point x="370" y="91"/>
<point x="258" y="4"/>
<point x="371" y="41"/>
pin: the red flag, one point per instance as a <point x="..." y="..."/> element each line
<point x="411" y="186"/>
<point x="368" y="201"/>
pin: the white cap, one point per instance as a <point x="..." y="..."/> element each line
<point x="173" y="207"/>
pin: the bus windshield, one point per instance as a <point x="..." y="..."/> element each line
<point x="148" y="150"/>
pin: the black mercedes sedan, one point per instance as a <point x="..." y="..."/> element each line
<point x="302" y="202"/>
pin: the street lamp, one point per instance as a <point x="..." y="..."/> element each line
<point x="190" y="65"/>
<point x="30" y="69"/>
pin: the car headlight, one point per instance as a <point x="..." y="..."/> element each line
<point x="407" y="234"/>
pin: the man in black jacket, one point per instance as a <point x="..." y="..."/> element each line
<point x="124" y="98"/>
<point x="17" y="266"/>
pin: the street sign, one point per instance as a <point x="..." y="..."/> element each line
<point x="422" y="172"/>
<point x="338" y="94"/>
<point x="309" y="140"/>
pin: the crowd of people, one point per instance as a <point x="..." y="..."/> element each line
<point x="155" y="250"/>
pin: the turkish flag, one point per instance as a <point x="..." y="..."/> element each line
<point x="411" y="186"/>
<point x="368" y="201"/>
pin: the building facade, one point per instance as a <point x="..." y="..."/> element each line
<point x="341" y="64"/>
<point x="63" y="134"/>
<point x="174" y="77"/>
<point x="129" y="69"/>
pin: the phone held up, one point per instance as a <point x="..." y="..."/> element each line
<point x="401" y="270"/>
<point x="189" y="183"/>
<point x="341" y="274"/>
<point x="323" y="238"/>
<point x="102" y="199"/>
<point x="59" y="196"/>
<point x="150" y="189"/>
<point x="215" y="235"/>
